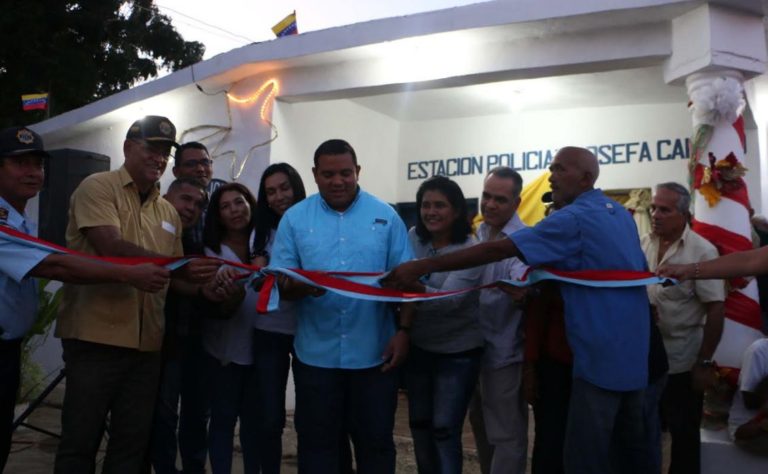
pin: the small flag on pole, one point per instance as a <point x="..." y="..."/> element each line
<point x="286" y="27"/>
<point x="34" y="101"/>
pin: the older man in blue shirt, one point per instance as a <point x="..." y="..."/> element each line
<point x="607" y="328"/>
<point x="21" y="177"/>
<point x="345" y="348"/>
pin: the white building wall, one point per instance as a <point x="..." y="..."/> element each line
<point x="659" y="126"/>
<point x="394" y="154"/>
<point x="374" y="136"/>
<point x="197" y="117"/>
<point x="757" y="97"/>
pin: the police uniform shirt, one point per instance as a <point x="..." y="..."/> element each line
<point x="18" y="293"/>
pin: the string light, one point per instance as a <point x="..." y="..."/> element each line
<point x="273" y="85"/>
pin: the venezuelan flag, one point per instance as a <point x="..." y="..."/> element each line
<point x="34" y="101"/>
<point x="286" y="27"/>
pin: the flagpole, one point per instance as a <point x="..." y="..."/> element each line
<point x="50" y="101"/>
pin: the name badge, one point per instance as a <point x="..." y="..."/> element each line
<point x="168" y="227"/>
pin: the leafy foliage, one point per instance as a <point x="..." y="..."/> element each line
<point x="81" y="51"/>
<point x="47" y="308"/>
<point x="32" y="375"/>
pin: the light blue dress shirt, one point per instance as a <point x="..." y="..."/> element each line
<point x="18" y="294"/>
<point x="608" y="328"/>
<point x="334" y="331"/>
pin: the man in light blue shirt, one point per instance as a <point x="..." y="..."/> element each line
<point x="21" y="177"/>
<point x="608" y="328"/>
<point x="345" y="348"/>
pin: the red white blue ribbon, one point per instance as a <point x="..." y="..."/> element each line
<point x="366" y="285"/>
<point x="359" y="285"/>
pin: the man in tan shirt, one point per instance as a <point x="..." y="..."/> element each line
<point x="112" y="333"/>
<point x="690" y="317"/>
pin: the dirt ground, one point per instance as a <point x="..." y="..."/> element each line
<point x="33" y="452"/>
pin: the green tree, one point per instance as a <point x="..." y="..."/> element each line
<point x="81" y="51"/>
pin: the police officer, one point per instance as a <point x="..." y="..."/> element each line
<point x="21" y="176"/>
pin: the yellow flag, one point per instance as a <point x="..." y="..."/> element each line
<point x="531" y="208"/>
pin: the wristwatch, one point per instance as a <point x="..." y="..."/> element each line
<point x="707" y="363"/>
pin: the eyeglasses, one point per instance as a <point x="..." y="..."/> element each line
<point x="205" y="162"/>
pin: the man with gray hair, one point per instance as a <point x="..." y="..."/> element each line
<point x="690" y="318"/>
<point x="498" y="413"/>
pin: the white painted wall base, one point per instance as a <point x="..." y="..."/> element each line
<point x="719" y="455"/>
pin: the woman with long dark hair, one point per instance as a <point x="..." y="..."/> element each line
<point x="446" y="340"/>
<point x="228" y="340"/>
<point x="279" y="189"/>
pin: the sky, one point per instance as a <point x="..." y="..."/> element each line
<point x="222" y="25"/>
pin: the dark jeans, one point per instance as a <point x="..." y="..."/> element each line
<point x="652" y="416"/>
<point x="605" y="431"/>
<point x="551" y="415"/>
<point x="104" y="380"/>
<point x="182" y="378"/>
<point x="440" y="387"/>
<point x="233" y="393"/>
<point x="330" y="401"/>
<point x="682" y="407"/>
<point x="10" y="377"/>
<point x="272" y="361"/>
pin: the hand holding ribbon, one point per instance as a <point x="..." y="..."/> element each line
<point x="146" y="275"/>
<point x="200" y="270"/>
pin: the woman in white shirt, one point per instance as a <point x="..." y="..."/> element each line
<point x="228" y="341"/>
<point x="280" y="188"/>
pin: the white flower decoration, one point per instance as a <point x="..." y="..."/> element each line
<point x="722" y="100"/>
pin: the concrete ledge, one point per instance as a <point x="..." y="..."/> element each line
<point x="719" y="455"/>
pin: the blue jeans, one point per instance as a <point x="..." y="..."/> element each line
<point x="272" y="361"/>
<point x="163" y="443"/>
<point x="605" y="432"/>
<point x="440" y="387"/>
<point x="183" y="379"/>
<point x="232" y="394"/>
<point x="330" y="402"/>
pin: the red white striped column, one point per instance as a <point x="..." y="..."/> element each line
<point x="721" y="199"/>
